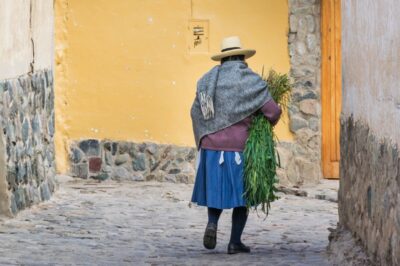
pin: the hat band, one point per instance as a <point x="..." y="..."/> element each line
<point x="230" y="48"/>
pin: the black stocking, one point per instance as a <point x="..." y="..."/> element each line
<point x="213" y="215"/>
<point x="239" y="218"/>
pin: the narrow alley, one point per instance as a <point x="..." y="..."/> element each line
<point x="138" y="223"/>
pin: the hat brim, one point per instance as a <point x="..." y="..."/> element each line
<point x="246" y="52"/>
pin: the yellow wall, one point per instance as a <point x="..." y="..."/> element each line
<point x="124" y="71"/>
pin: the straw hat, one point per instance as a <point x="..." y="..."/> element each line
<point x="232" y="46"/>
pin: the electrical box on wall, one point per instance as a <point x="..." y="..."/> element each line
<point x="198" y="36"/>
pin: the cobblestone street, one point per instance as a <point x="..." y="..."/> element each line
<point x="138" y="223"/>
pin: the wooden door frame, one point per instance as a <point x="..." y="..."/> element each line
<point x="331" y="91"/>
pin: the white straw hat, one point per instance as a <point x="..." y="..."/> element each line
<point x="232" y="46"/>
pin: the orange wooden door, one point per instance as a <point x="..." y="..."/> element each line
<point x="331" y="86"/>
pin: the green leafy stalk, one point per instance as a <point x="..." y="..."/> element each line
<point x="261" y="157"/>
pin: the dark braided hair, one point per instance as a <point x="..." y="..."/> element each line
<point x="232" y="58"/>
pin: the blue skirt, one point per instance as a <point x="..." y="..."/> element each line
<point x="219" y="179"/>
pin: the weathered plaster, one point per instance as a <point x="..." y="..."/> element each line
<point x="42" y="27"/>
<point x="371" y="63"/>
<point x="370" y="161"/>
<point x="15" y="38"/>
<point x="26" y="30"/>
<point x="62" y="16"/>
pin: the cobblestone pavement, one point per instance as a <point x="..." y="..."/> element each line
<point x="139" y="223"/>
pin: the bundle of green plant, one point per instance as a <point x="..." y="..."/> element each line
<point x="260" y="156"/>
<point x="279" y="86"/>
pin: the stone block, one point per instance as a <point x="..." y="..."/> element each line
<point x="138" y="177"/>
<point x="310" y="20"/>
<point x="184" y="178"/>
<point x="12" y="177"/>
<point x="297" y="122"/>
<point x="95" y="164"/>
<point x="174" y="171"/>
<point x="291" y="37"/>
<point x="308" y="171"/>
<point x="36" y="124"/>
<point x="165" y="165"/>
<point x="121" y="158"/>
<point x="282" y="177"/>
<point x="121" y="173"/>
<point x="101" y="176"/>
<point x="114" y="148"/>
<point x="314" y="124"/>
<point x="301" y="48"/>
<point x="80" y="170"/>
<point x="309" y="94"/>
<point x="10" y="133"/>
<point x="305" y="9"/>
<point x="293" y="23"/>
<point x="108" y="158"/>
<point x="191" y="155"/>
<point x="90" y="147"/>
<point x="153" y="163"/>
<point x="139" y="163"/>
<point x="311" y="41"/>
<point x="150" y="177"/>
<point x="107" y="146"/>
<point x="76" y="155"/>
<point x="285" y="155"/>
<point x="25" y="130"/>
<point x="309" y="107"/>
<point x="133" y="151"/>
<point x="19" y="197"/>
<point x="124" y="147"/>
<point x="45" y="191"/>
<point x="21" y="172"/>
<point x="152" y="149"/>
<point x="302" y="28"/>
<point x="51" y="125"/>
<point x="13" y="205"/>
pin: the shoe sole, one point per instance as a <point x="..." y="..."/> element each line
<point x="232" y="250"/>
<point x="237" y="251"/>
<point x="210" y="239"/>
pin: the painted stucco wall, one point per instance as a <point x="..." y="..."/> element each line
<point x="124" y="70"/>
<point x="371" y="64"/>
<point x="369" y="193"/>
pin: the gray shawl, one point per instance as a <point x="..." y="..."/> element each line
<point x="225" y="95"/>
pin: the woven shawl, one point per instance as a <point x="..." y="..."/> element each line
<point x="225" y="95"/>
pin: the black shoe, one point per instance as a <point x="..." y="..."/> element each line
<point x="234" y="248"/>
<point x="210" y="236"/>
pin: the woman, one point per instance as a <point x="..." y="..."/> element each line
<point x="226" y="98"/>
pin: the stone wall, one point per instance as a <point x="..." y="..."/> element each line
<point x="27" y="167"/>
<point x="132" y="161"/>
<point x="27" y="120"/>
<point x="301" y="160"/>
<point x="369" y="193"/>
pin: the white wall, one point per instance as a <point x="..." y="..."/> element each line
<point x="371" y="64"/>
<point x="17" y="31"/>
<point x="43" y="33"/>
